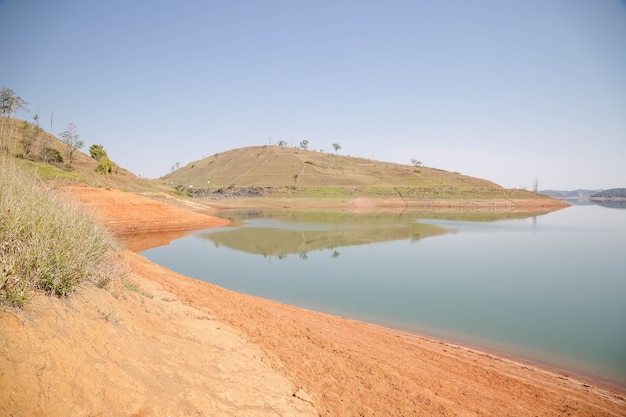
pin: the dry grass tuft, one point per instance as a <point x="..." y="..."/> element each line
<point x="46" y="244"/>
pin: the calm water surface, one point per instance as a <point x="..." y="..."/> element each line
<point x="548" y="288"/>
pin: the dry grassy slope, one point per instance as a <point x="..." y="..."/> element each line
<point x="300" y="172"/>
<point x="83" y="167"/>
<point x="273" y="166"/>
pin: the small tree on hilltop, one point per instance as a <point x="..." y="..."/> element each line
<point x="72" y="140"/>
<point x="336" y="146"/>
<point x="10" y="102"/>
<point x="304" y="144"/>
<point x="416" y="163"/>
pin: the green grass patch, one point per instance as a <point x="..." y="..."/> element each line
<point x="51" y="172"/>
<point x="183" y="193"/>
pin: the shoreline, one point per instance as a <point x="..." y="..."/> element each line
<point x="393" y="204"/>
<point x="505" y="353"/>
<point x="143" y="238"/>
<point x="142" y="241"/>
<point x="356" y="355"/>
<point x="168" y="343"/>
<point x="510" y="355"/>
<point x="153" y="239"/>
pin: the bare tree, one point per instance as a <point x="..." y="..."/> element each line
<point x="72" y="140"/>
<point x="416" y="163"/>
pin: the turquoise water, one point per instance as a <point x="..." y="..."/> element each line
<point x="549" y="288"/>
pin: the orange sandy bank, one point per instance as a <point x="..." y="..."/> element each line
<point x="126" y="213"/>
<point x="171" y="345"/>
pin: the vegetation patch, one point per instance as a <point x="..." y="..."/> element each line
<point x="51" y="172"/>
<point x="325" y="191"/>
<point x="45" y="243"/>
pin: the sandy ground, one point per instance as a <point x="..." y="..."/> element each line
<point x="164" y="344"/>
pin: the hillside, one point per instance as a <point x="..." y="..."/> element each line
<point x="272" y="172"/>
<point x="37" y="151"/>
<point x="280" y="170"/>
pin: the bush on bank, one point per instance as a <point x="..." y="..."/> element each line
<point x="46" y="243"/>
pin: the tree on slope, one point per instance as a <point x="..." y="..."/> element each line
<point x="10" y="102"/>
<point x="105" y="165"/>
<point x="97" y="152"/>
<point x="72" y="141"/>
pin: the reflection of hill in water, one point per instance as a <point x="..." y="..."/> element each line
<point x="278" y="233"/>
<point x="617" y="204"/>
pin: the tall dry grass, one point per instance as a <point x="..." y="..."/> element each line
<point x="46" y="244"/>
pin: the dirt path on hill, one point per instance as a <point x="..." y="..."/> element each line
<point x="169" y="345"/>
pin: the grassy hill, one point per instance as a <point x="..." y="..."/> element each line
<point x="283" y="170"/>
<point x="271" y="171"/>
<point x="38" y="158"/>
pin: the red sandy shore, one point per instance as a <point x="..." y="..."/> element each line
<point x="150" y="354"/>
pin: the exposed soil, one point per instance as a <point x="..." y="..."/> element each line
<point x="126" y="213"/>
<point x="393" y="204"/>
<point x="168" y="345"/>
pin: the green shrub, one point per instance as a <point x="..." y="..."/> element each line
<point x="105" y="165"/>
<point x="45" y="243"/>
<point x="97" y="152"/>
<point x="51" y="155"/>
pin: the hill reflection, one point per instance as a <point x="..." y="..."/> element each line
<point x="281" y="233"/>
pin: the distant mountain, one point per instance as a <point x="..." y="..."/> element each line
<point x="569" y="195"/>
<point x="613" y="198"/>
<point x="612" y="194"/>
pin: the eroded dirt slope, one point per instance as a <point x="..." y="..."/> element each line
<point x="139" y="352"/>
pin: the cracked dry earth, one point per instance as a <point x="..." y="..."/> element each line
<point x="167" y="345"/>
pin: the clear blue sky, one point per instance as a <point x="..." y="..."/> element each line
<point x="503" y="90"/>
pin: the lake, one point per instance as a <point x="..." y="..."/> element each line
<point x="547" y="288"/>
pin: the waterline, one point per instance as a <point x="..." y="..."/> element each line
<point x="549" y="289"/>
